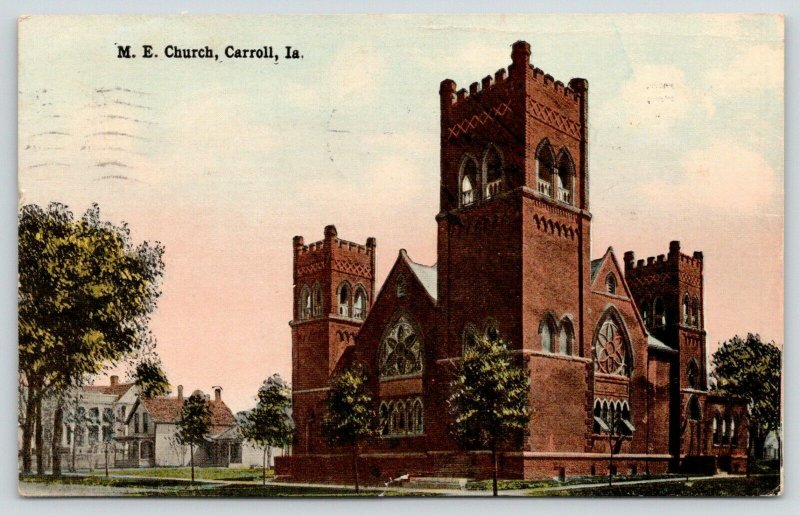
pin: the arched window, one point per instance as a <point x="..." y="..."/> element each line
<point x="493" y="170"/>
<point x="734" y="436"/>
<point x="401" y="417"/>
<point x="400" y="286"/>
<point x="564" y="177"/>
<point x="659" y="317"/>
<point x="724" y="431"/>
<point x="344" y="299"/>
<point x="401" y="350"/>
<point x="383" y="417"/>
<point x="686" y="311"/>
<point x="491" y="329"/>
<point x="565" y="338"/>
<point x="694" y="408"/>
<point x="545" y="164"/>
<point x="469" y="181"/>
<point x="611" y="349"/>
<point x="611" y="284"/>
<point x="645" y="313"/>
<point x="305" y="303"/>
<point x="696" y="311"/>
<point x="469" y="335"/>
<point x="693" y="374"/>
<point x="716" y="425"/>
<point x="546" y="332"/>
<point x="418" y="417"/>
<point x="598" y="414"/>
<point x="392" y="417"/>
<point x="360" y="304"/>
<point x="317" y="300"/>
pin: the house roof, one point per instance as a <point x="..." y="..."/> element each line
<point x="168" y="410"/>
<point x="427" y="275"/>
<point x="117" y="389"/>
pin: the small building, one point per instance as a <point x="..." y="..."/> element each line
<point x="152" y="427"/>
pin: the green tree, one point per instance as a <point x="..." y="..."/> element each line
<point x="194" y="423"/>
<point x="270" y="424"/>
<point x="489" y="399"/>
<point x="84" y="301"/>
<point x="750" y="369"/>
<point x="349" y="416"/>
<point x="149" y="376"/>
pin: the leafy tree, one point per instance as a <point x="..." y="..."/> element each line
<point x="489" y="399"/>
<point x="350" y="415"/>
<point x="84" y="300"/>
<point x="150" y="377"/>
<point x="270" y="424"/>
<point x="194" y="423"/>
<point x="750" y="369"/>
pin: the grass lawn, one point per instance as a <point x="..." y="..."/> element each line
<point x="518" y="484"/>
<point x="104" y="481"/>
<point x="723" y="487"/>
<point x="222" y="473"/>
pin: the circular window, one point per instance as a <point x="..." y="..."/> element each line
<point x="610" y="354"/>
<point x="401" y="350"/>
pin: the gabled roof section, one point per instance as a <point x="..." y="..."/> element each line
<point x="426" y="275"/>
<point x="595" y="264"/>
<point x="654" y="343"/>
<point x="168" y="410"/>
<point x="117" y="390"/>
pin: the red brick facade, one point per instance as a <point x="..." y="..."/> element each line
<point x="513" y="258"/>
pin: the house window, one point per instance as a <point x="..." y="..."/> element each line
<point x="400" y="286"/>
<point x="565" y="178"/>
<point x="94" y="435"/>
<point x="545" y="164"/>
<point x="305" y="303"/>
<point x="236" y="453"/>
<point x="360" y="304"/>
<point x="108" y="434"/>
<point x="146" y="450"/>
<point x="344" y="300"/>
<point x="145" y="423"/>
<point x="611" y="354"/>
<point x="135" y="422"/>
<point x="68" y="433"/>
<point x="493" y="170"/>
<point x="80" y="436"/>
<point x="611" y="284"/>
<point x="317" y="301"/>
<point x="401" y="350"/>
<point x="469" y="182"/>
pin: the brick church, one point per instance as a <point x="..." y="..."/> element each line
<point x="606" y="343"/>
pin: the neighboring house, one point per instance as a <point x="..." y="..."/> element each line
<point x="244" y="453"/>
<point x="151" y="437"/>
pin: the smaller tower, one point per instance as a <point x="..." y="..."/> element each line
<point x="334" y="287"/>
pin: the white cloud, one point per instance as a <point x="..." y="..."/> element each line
<point x="758" y="69"/>
<point x="722" y="176"/>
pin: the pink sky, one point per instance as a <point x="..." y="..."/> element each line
<point x="224" y="162"/>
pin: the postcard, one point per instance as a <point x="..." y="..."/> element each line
<point x="374" y="255"/>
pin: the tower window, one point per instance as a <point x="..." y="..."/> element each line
<point x="469" y="182"/>
<point x="546" y="334"/>
<point x="685" y="312"/>
<point x="696" y="312"/>
<point x="659" y="317"/>
<point x="693" y="374"/>
<point x="305" y="303"/>
<point x="360" y="304"/>
<point x="493" y="168"/>
<point x="317" y="300"/>
<point x="565" y="178"/>
<point x="611" y="284"/>
<point x="545" y="163"/>
<point x="344" y="300"/>
<point x="645" y="313"/>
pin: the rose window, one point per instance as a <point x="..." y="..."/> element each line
<point x="401" y="350"/>
<point x="610" y="350"/>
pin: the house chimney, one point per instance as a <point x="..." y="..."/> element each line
<point x="180" y="392"/>
<point x="217" y="393"/>
<point x="114" y="380"/>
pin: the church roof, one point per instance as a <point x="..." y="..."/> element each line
<point x="656" y="344"/>
<point x="596" y="266"/>
<point x="426" y="275"/>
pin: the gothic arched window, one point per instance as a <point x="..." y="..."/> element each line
<point x="401" y="350"/>
<point x="694" y="408"/>
<point x="344" y="300"/>
<point x="317" y="300"/>
<point x="645" y="313"/>
<point x="400" y="286"/>
<point x="305" y="303"/>
<point x="469" y="181"/>
<point x="469" y="335"/>
<point x="546" y="331"/>
<point x="611" y="284"/>
<point x="686" y="311"/>
<point x="611" y="350"/>
<point x="693" y="374"/>
<point x="565" y="337"/>
<point x="565" y="177"/>
<point x="419" y="425"/>
<point x="491" y="329"/>
<point x="360" y="304"/>
<point x="545" y="164"/>
<point x="493" y="170"/>
<point x="659" y="317"/>
<point x="383" y="417"/>
<point x="696" y="311"/>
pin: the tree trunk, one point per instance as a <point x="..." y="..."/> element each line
<point x="191" y="459"/>
<point x="610" y="457"/>
<point x="27" y="429"/>
<point x="264" y="478"/>
<point x="355" y="464"/>
<point x="750" y="440"/>
<point x="39" y="438"/>
<point x="106" y="453"/>
<point x="58" y="431"/>
<point x="494" y="469"/>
